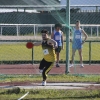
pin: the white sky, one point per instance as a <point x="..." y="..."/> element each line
<point x="82" y="2"/>
<point x="63" y="2"/>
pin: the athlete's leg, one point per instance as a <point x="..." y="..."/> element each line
<point x="58" y="55"/>
<point x="48" y="67"/>
<point x="73" y="54"/>
<point x="81" y="58"/>
<point x="42" y="65"/>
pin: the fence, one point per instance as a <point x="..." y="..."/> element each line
<point x="91" y="29"/>
<point x="15" y="51"/>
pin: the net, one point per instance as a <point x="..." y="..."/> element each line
<point x="25" y="22"/>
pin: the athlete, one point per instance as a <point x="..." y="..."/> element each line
<point x="77" y="42"/>
<point x="48" y="46"/>
<point x="57" y="35"/>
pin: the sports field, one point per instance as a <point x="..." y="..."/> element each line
<point x="18" y="51"/>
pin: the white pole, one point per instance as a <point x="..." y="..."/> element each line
<point x="51" y="28"/>
<point x="34" y="30"/>
<point x="97" y="31"/>
<point x="1" y="30"/>
<point x="91" y="31"/>
<point x="17" y="29"/>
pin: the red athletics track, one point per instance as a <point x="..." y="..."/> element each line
<point x="33" y="69"/>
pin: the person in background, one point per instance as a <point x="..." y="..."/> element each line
<point x="77" y="42"/>
<point x="57" y="35"/>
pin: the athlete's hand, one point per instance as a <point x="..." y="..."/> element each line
<point x="83" y="42"/>
<point x="55" y="46"/>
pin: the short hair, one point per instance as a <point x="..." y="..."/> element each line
<point x="58" y="25"/>
<point x="77" y="21"/>
<point x="45" y="31"/>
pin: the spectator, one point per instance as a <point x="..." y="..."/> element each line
<point x="77" y="42"/>
<point x="57" y="35"/>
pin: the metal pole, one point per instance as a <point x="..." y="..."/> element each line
<point x="97" y="31"/>
<point x="67" y="35"/>
<point x="89" y="52"/>
<point x="91" y="31"/>
<point x="1" y="30"/>
<point x="17" y="29"/>
<point x="51" y="28"/>
<point x="32" y="56"/>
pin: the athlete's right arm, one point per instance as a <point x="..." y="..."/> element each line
<point x="37" y="43"/>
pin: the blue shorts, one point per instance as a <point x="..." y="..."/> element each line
<point x="77" y="46"/>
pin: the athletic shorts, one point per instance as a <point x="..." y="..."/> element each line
<point x="45" y="63"/>
<point x="77" y="46"/>
<point x="58" y="49"/>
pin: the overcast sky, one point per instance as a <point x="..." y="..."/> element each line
<point x="82" y="2"/>
<point x="74" y="2"/>
<point x="85" y="2"/>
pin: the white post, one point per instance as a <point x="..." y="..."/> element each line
<point x="91" y="31"/>
<point x="51" y="28"/>
<point x="34" y="31"/>
<point x="17" y="29"/>
<point x="1" y="31"/>
<point x="97" y="31"/>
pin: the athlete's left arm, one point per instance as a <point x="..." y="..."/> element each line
<point x="86" y="36"/>
<point x="52" y="42"/>
<point x="62" y="40"/>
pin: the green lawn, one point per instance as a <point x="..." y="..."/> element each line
<point x="51" y="78"/>
<point x="20" y="52"/>
<point x="11" y="94"/>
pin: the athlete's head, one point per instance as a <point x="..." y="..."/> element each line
<point x="58" y="26"/>
<point x="77" y="23"/>
<point x="44" y="34"/>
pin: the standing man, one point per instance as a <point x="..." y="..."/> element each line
<point x="57" y="35"/>
<point x="48" y="46"/>
<point x="77" y="42"/>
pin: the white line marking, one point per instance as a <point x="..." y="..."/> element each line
<point x="23" y="96"/>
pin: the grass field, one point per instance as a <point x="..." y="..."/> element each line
<point x="11" y="94"/>
<point x="18" y="51"/>
<point x="51" y="78"/>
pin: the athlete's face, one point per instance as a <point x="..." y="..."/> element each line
<point x="58" y="28"/>
<point x="77" y="24"/>
<point x="44" y="36"/>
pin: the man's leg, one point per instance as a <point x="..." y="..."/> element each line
<point x="73" y="54"/>
<point x="48" y="67"/>
<point x="42" y="65"/>
<point x="81" y="58"/>
<point x="58" y="56"/>
<point x="57" y="62"/>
